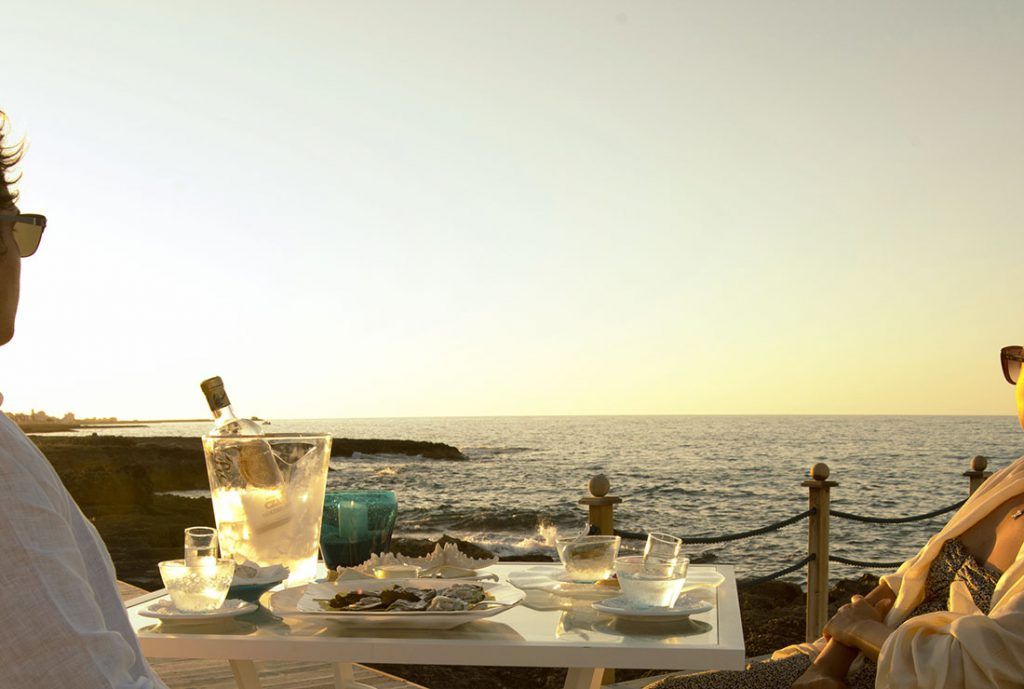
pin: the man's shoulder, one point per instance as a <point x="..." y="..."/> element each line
<point x="24" y="468"/>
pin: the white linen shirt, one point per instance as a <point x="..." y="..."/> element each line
<point x="62" y="623"/>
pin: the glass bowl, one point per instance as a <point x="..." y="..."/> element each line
<point x="590" y="558"/>
<point x="201" y="587"/>
<point x="651" y="584"/>
<point x="560" y="543"/>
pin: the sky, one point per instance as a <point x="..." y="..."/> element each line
<point x="522" y="208"/>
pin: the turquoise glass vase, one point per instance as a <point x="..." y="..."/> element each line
<point x="356" y="524"/>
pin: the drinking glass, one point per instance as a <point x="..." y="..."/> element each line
<point x="645" y="584"/>
<point x="197" y="588"/>
<point x="200" y="541"/>
<point x="590" y="558"/>
<point x="356" y="524"/>
<point x="662" y="548"/>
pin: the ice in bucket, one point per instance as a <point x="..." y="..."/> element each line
<point x="270" y="516"/>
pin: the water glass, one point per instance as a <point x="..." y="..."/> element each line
<point x="356" y="524"/>
<point x="590" y="558"/>
<point x="197" y="588"/>
<point x="645" y="584"/>
<point x="200" y="542"/>
<point x="662" y="548"/>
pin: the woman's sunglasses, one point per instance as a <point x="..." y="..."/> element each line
<point x="1011" y="358"/>
<point x="27" y="230"/>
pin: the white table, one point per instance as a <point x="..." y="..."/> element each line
<point x="573" y="636"/>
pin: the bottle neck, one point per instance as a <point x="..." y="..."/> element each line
<point x="224" y="414"/>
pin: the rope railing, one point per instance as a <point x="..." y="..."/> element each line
<point x="724" y="538"/>
<point x="869" y="564"/>
<point x="743" y="583"/>
<point x="817" y="561"/>
<point x="897" y="520"/>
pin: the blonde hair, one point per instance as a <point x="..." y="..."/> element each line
<point x="10" y="154"/>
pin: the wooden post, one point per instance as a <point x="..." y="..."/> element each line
<point x="977" y="474"/>
<point x="602" y="515"/>
<point x="601" y="505"/>
<point x="817" y="545"/>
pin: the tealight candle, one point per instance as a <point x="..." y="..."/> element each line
<point x="353" y="520"/>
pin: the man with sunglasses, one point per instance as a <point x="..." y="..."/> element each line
<point x="62" y="623"/>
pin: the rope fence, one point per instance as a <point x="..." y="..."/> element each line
<point x="867" y="564"/>
<point x="743" y="583"/>
<point x="896" y="520"/>
<point x="818" y="513"/>
<point x="724" y="538"/>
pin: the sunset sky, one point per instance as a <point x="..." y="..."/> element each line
<point x="464" y="208"/>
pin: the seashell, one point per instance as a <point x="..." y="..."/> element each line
<point x="447" y="555"/>
<point x="444" y="603"/>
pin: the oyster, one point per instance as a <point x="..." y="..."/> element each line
<point x="407" y="605"/>
<point x="397" y="593"/>
<point x="465" y="592"/>
<point x="367" y="603"/>
<point x="447" y="603"/>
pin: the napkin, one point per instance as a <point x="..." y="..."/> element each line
<point x="248" y="573"/>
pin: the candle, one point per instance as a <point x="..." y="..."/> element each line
<point x="353" y="520"/>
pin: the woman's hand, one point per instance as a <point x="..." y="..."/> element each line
<point x="816" y="678"/>
<point x="861" y="625"/>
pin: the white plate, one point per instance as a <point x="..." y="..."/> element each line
<point x="164" y="609"/>
<point x="702" y="577"/>
<point x="549" y="578"/>
<point x="299" y="601"/>
<point x="683" y="608"/>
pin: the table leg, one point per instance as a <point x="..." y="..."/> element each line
<point x="584" y="678"/>
<point x="345" y="678"/>
<point x="245" y="673"/>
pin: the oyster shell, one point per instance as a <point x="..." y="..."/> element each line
<point x="446" y="603"/>
<point x="366" y="603"/>
<point x="408" y="605"/>
<point x="465" y="592"/>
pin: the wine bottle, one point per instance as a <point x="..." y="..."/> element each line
<point x="256" y="461"/>
<point x="263" y="498"/>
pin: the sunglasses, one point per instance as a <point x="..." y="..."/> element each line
<point x="27" y="230"/>
<point x="1011" y="359"/>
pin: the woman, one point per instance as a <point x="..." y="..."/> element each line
<point x="951" y="616"/>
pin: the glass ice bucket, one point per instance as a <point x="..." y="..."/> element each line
<point x="268" y="497"/>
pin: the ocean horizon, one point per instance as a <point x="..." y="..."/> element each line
<point x="691" y="475"/>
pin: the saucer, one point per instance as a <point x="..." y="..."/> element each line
<point x="683" y="608"/>
<point x="164" y="609"/>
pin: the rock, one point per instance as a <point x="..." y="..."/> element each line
<point x="529" y="557"/>
<point x="346" y="447"/>
<point x="421" y="547"/>
<point x="106" y="489"/>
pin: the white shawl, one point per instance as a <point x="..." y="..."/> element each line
<point x="961" y="648"/>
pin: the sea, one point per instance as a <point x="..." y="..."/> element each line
<point x="683" y="475"/>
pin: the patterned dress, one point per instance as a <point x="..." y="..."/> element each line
<point x="954" y="562"/>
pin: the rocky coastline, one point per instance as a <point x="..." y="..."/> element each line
<point x="121" y="484"/>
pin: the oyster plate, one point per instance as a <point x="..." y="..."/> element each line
<point x="301" y="602"/>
